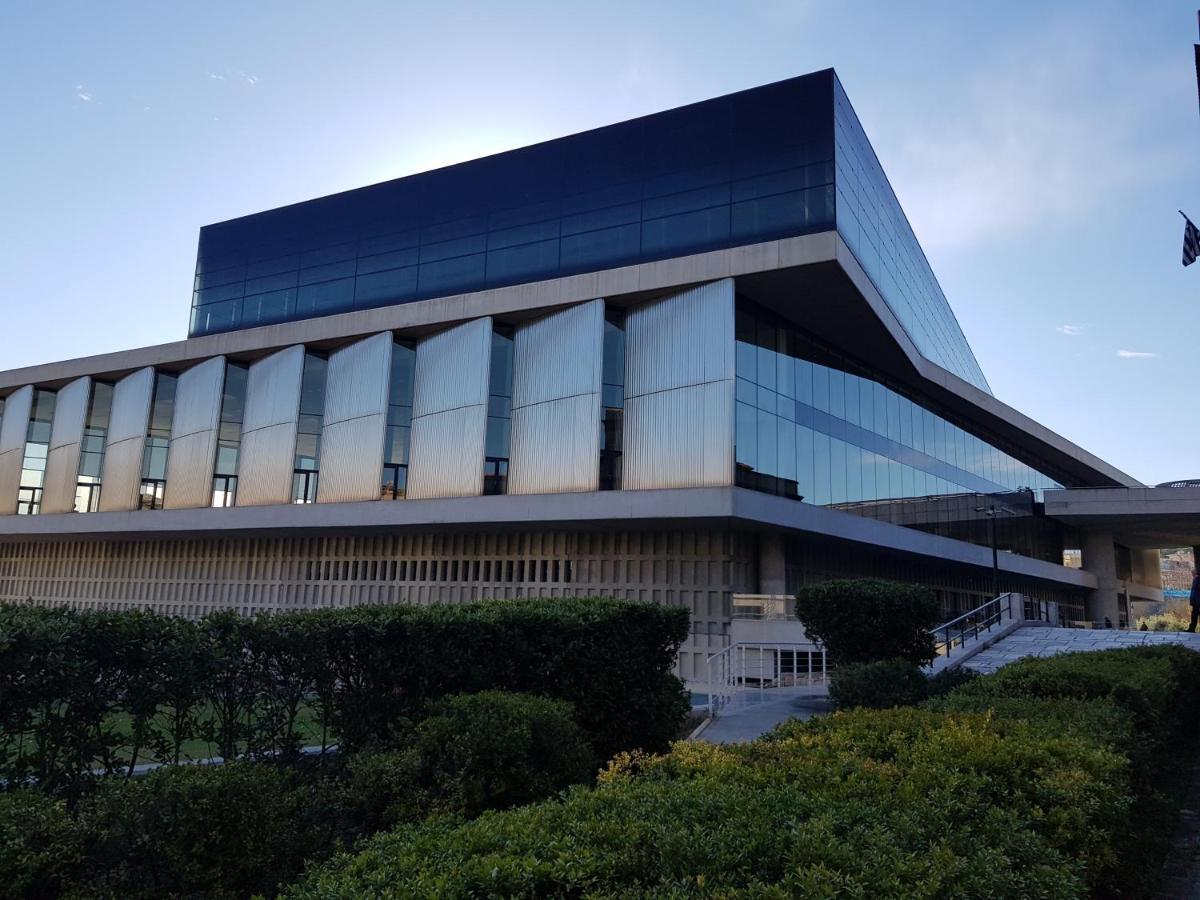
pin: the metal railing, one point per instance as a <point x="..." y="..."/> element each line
<point x="763" y="666"/>
<point x="970" y="625"/>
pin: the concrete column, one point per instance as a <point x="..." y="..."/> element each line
<point x="1151" y="575"/>
<point x="1100" y="558"/>
<point x="772" y="564"/>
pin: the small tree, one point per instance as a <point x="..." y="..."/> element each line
<point x="867" y="620"/>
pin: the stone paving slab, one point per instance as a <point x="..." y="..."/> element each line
<point x="1052" y="641"/>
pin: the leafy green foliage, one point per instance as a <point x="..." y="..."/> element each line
<point x="1018" y="784"/>
<point x="247" y="828"/>
<point x="85" y="693"/>
<point x="878" y="685"/>
<point x="866" y="620"/>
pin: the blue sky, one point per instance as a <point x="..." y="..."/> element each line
<point x="1040" y="150"/>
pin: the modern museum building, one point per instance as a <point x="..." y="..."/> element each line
<point x="686" y="358"/>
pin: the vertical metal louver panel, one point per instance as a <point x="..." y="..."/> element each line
<point x="557" y="363"/>
<point x="680" y="438"/>
<point x="356" y="399"/>
<point x="450" y="393"/>
<point x="121" y="476"/>
<point x="268" y="449"/>
<point x="13" y="429"/>
<point x="66" y="438"/>
<point x="195" y="426"/>
<point x="679" y="384"/>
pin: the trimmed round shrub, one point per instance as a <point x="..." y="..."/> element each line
<point x="948" y="680"/>
<point x="865" y="620"/>
<point x="878" y="685"/>
<point x="494" y="749"/>
<point x="216" y="831"/>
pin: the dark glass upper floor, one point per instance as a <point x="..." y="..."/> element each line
<point x="757" y="165"/>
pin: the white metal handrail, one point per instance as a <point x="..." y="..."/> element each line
<point x="765" y="666"/>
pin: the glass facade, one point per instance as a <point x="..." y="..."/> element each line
<point x="158" y="443"/>
<point x="748" y="167"/>
<point x="229" y="434"/>
<point x="499" y="417"/>
<point x="873" y="225"/>
<point x="91" y="450"/>
<point x="612" y="400"/>
<point x="37" y="448"/>
<point x="815" y="425"/>
<point x="307" y="465"/>
<point x="394" y="483"/>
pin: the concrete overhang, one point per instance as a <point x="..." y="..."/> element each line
<point x="813" y="280"/>
<point x="602" y="510"/>
<point x="1143" y="518"/>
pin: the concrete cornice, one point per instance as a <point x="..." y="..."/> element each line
<point x="685" y="507"/>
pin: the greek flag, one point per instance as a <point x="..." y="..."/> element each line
<point x="1191" y="241"/>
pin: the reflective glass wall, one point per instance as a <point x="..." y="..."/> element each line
<point x="815" y="425"/>
<point x="37" y="448"/>
<point x="870" y="220"/>
<point x="752" y="166"/>
<point x="394" y="484"/>
<point x="307" y="464"/>
<point x="229" y="434"/>
<point x="612" y="400"/>
<point x="499" y="418"/>
<point x="91" y="448"/>
<point x="158" y="443"/>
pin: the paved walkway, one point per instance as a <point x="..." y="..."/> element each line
<point x="1041" y="641"/>
<point x="749" y="719"/>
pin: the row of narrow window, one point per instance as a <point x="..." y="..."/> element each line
<point x="435" y="570"/>
<point x="307" y="460"/>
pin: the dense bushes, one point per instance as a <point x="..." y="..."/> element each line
<point x="889" y="683"/>
<point x="100" y="691"/>
<point x="866" y="620"/>
<point x="1018" y="784"/>
<point x="922" y="804"/>
<point x="246" y="828"/>
<point x="878" y="685"/>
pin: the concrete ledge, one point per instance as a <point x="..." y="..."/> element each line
<point x="599" y="510"/>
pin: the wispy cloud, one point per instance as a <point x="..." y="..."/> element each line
<point x="1135" y="354"/>
<point x="1006" y="163"/>
<point x="216" y="76"/>
<point x="1070" y="330"/>
<point x="83" y="94"/>
<point x="248" y="78"/>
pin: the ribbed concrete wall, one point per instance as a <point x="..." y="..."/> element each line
<point x="268" y="450"/>
<point x="13" y="429"/>
<point x="557" y="364"/>
<point x="121" y="477"/>
<point x="195" y="425"/>
<point x="449" y="426"/>
<point x="66" y="438"/>
<point x="679" y="390"/>
<point x="356" y="400"/>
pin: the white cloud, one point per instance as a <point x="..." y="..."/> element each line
<point x="1070" y="330"/>
<point x="249" y="79"/>
<point x="215" y="77"/>
<point x="84" y="95"/>
<point x="1135" y="354"/>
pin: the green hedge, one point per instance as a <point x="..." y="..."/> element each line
<point x="981" y="792"/>
<point x="889" y="683"/>
<point x="81" y="692"/>
<point x="865" y="620"/>
<point x="247" y="828"/>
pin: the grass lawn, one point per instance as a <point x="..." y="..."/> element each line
<point x="307" y="726"/>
